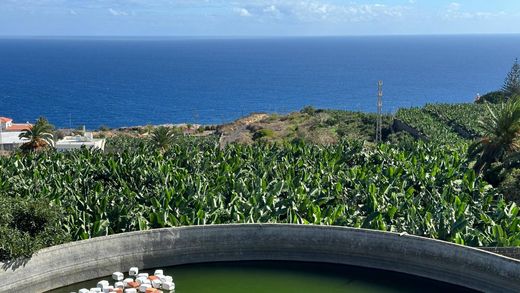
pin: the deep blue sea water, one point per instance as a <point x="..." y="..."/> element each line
<point x="123" y="82"/>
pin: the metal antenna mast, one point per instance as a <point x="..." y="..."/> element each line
<point x="379" y="125"/>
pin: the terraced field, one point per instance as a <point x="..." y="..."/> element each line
<point x="446" y="123"/>
<point x="461" y="117"/>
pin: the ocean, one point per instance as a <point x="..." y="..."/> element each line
<point x="136" y="81"/>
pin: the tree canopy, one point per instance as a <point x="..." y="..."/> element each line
<point x="512" y="83"/>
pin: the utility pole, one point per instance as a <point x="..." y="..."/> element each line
<point x="379" y="123"/>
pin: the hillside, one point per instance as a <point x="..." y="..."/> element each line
<point x="441" y="123"/>
<point x="309" y="125"/>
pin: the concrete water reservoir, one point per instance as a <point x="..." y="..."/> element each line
<point x="75" y="262"/>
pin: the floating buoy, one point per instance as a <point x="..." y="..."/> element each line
<point x="126" y="281"/>
<point x="143" y="280"/>
<point x="133" y="271"/>
<point x="143" y="283"/>
<point x="168" y="286"/>
<point x="143" y="287"/>
<point x="119" y="285"/>
<point x="156" y="283"/>
<point x="102" y="284"/>
<point x="118" y="276"/>
<point x="165" y="279"/>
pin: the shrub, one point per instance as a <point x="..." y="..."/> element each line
<point x="331" y="121"/>
<point x="59" y="134"/>
<point x="104" y="128"/>
<point x="310" y="110"/>
<point x="263" y="133"/>
<point x="27" y="225"/>
<point x="510" y="187"/>
<point x="493" y="98"/>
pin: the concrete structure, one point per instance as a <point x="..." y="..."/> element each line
<point x="10" y="141"/>
<point x="5" y="122"/>
<point x="10" y="132"/>
<point x="83" y="260"/>
<point x="76" y="142"/>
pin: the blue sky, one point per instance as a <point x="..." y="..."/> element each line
<point x="255" y="17"/>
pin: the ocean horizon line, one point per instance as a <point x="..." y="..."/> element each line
<point x="242" y="37"/>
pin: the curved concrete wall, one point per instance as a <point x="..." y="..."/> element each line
<point x="78" y="261"/>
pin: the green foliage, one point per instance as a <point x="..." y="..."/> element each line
<point x="310" y="110"/>
<point x="510" y="186"/>
<point x="39" y="136"/>
<point x="462" y="118"/>
<point x="104" y="128"/>
<point x="403" y="139"/>
<point x="264" y="133"/>
<point x="27" y="225"/>
<point x="512" y="83"/>
<point x="501" y="129"/>
<point x="357" y="125"/>
<point x="162" y="137"/>
<point x="122" y="143"/>
<point x="426" y="190"/>
<point x="495" y="97"/>
<point x="428" y="125"/>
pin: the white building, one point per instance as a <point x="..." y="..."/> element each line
<point x="76" y="142"/>
<point x="10" y="132"/>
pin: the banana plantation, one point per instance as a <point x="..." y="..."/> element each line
<point x="423" y="189"/>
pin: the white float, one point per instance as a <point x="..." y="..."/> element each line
<point x="142" y="280"/>
<point x="159" y="281"/>
<point x="102" y="284"/>
<point x="168" y="286"/>
<point x="143" y="287"/>
<point x="118" y="276"/>
<point x="165" y="279"/>
<point x="156" y="283"/>
<point x="133" y="271"/>
<point x="126" y="281"/>
<point x="143" y="275"/>
<point x="120" y="285"/>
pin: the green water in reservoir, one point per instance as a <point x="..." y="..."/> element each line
<point x="286" y="277"/>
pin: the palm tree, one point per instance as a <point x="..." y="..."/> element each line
<point x="162" y="137"/>
<point x="39" y="136"/>
<point x="501" y="139"/>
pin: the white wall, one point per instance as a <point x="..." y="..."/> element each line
<point x="11" y="137"/>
